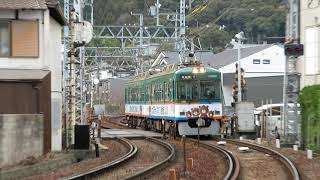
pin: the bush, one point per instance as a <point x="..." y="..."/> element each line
<point x="310" y="117"/>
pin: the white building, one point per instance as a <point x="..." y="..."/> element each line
<point x="30" y="39"/>
<point x="309" y="64"/>
<point x="264" y="69"/>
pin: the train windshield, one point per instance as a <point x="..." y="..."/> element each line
<point x="198" y="90"/>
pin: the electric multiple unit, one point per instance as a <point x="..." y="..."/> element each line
<point x="186" y="99"/>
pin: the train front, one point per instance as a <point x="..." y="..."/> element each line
<point x="198" y="100"/>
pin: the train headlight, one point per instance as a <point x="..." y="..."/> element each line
<point x="202" y="70"/>
<point x="196" y="70"/>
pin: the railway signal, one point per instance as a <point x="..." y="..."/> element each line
<point x="293" y="50"/>
<point x="235" y="84"/>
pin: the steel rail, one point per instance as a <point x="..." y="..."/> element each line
<point x="233" y="161"/>
<point x="99" y="169"/>
<point x="162" y="164"/>
<point x="287" y="163"/>
<point x="108" y="120"/>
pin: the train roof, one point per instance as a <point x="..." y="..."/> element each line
<point x="171" y="69"/>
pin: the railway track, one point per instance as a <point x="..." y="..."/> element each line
<point x="231" y="159"/>
<point x="132" y="151"/>
<point x="261" y="162"/>
<point x="113" y="122"/>
<point x="133" y="165"/>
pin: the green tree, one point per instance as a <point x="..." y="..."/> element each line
<point x="214" y="38"/>
<point x="257" y="18"/>
<point x="310" y="116"/>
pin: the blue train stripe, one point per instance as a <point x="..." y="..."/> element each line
<point x="169" y="118"/>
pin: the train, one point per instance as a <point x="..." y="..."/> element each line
<point x="186" y="100"/>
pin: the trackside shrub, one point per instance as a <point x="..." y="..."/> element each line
<point x="310" y="117"/>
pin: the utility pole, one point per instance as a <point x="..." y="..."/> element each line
<point x="239" y="71"/>
<point x="72" y="80"/>
<point x="240" y="37"/>
<point x="139" y="55"/>
<point x="291" y="84"/>
<point x="65" y="71"/>
<point x="158" y="12"/>
<point x="182" y="32"/>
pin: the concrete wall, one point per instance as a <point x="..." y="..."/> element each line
<point x="309" y="18"/>
<point x="54" y="58"/>
<point x="21" y="136"/>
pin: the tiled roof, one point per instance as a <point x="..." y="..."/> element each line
<point x="23" y="4"/>
<point x="52" y="2"/>
<point x="52" y="5"/>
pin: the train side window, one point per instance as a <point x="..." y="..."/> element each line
<point x="129" y="94"/>
<point x="146" y="98"/>
<point x="170" y="89"/>
<point x="165" y="91"/>
<point x="141" y="95"/>
<point x="168" y="95"/>
<point x="132" y="95"/>
<point x="157" y="93"/>
<point x="126" y="95"/>
<point x="150" y="93"/>
<point x="153" y="93"/>
<point x="161" y="93"/>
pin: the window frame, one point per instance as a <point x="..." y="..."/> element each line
<point x="9" y="21"/>
<point x="266" y="60"/>
<point x="254" y="61"/>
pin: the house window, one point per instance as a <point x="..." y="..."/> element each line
<point x="4" y="39"/>
<point x="19" y="38"/>
<point x="256" y="61"/>
<point x="266" y="61"/>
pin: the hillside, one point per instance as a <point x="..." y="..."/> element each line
<point x="214" y="21"/>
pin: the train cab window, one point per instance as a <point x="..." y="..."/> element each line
<point x="188" y="91"/>
<point x="209" y="90"/>
<point x="195" y="91"/>
<point x="181" y="90"/>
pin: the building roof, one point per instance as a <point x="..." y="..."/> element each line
<point x="52" y="5"/>
<point x="55" y="11"/>
<point x="23" y="4"/>
<point x="231" y="55"/>
<point x="23" y="74"/>
<point x="215" y="60"/>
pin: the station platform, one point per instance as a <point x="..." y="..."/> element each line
<point x="128" y="133"/>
